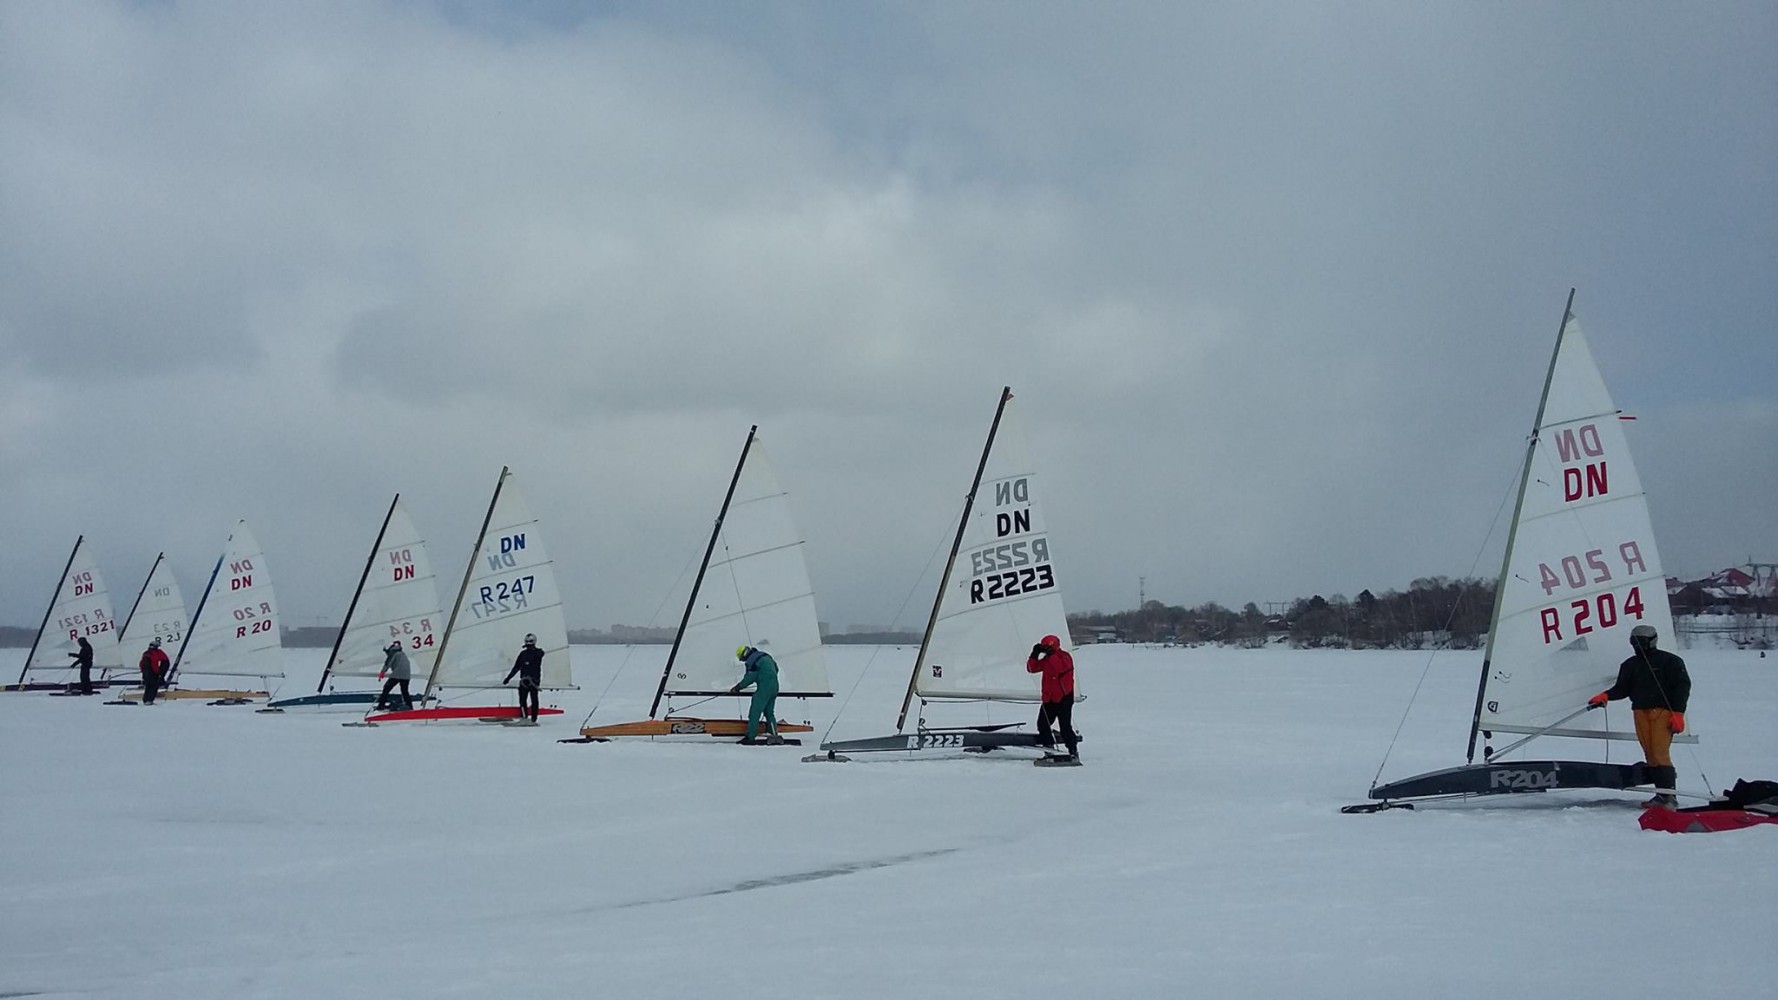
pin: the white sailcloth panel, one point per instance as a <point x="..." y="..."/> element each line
<point x="82" y="608"/>
<point x="159" y="614"/>
<point x="1003" y="594"/>
<point x="1584" y="568"/>
<point x="512" y="590"/>
<point x="399" y="602"/>
<point x="755" y="592"/>
<point x="236" y="632"/>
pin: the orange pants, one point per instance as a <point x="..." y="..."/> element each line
<point x="1654" y="730"/>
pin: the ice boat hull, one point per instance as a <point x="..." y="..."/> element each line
<point x="448" y="712"/>
<point x="979" y="738"/>
<point x="684" y="726"/>
<point x="1514" y="777"/>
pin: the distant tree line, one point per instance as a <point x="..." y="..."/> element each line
<point x="1433" y="611"/>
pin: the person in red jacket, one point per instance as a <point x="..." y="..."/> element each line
<point x="154" y="666"/>
<point x="1057" y="667"/>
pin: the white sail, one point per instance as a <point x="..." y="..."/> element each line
<point x="1002" y="594"/>
<point x="397" y="601"/>
<point x="755" y="592"/>
<point x="80" y="609"/>
<point x="508" y="590"/>
<point x="235" y="629"/>
<point x="1583" y="569"/>
<point x="159" y="614"/>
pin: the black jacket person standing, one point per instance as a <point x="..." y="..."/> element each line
<point x="83" y="658"/>
<point x="529" y="666"/>
<point x="1658" y="687"/>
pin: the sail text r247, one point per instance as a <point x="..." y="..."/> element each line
<point x="1017" y="561"/>
<point x="504" y="596"/>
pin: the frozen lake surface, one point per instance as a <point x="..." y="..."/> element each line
<point x="182" y="850"/>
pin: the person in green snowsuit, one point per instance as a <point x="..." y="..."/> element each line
<point x="762" y="673"/>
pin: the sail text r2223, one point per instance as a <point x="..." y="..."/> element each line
<point x="1017" y="561"/>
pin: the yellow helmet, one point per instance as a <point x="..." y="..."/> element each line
<point x="741" y="652"/>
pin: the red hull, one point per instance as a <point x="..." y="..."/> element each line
<point x="1702" y="820"/>
<point x="456" y="712"/>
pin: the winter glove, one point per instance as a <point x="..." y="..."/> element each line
<point x="1599" y="700"/>
<point x="1039" y="649"/>
<point x="1678" y="721"/>
<point x="735" y="690"/>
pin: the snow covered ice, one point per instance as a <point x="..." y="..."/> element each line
<point x="184" y="851"/>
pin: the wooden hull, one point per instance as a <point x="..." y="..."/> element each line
<point x="449" y="712"/>
<point x="207" y="694"/>
<point x="682" y="726"/>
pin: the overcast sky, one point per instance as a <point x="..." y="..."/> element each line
<point x="1275" y="283"/>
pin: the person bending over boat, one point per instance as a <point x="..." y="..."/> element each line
<point x="1057" y="667"/>
<point x="154" y="664"/>
<point x="398" y="671"/>
<point x="1658" y="687"/>
<point x="529" y="666"/>
<point x="83" y="658"/>
<point x="762" y="675"/>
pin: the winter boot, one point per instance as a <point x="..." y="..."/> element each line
<point x="1666" y="780"/>
<point x="775" y="740"/>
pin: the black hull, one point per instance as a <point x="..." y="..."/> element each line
<point x="984" y="738"/>
<point x="1512" y="778"/>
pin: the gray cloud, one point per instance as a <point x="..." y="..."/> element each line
<point x="1276" y="283"/>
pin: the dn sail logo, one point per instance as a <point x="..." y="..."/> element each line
<point x="1587" y="479"/>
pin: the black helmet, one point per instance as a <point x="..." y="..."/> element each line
<point x="530" y="639"/>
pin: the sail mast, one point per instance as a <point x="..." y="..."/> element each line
<point x="703" y="567"/>
<point x="468" y="572"/>
<point x="61" y="582"/>
<point x="1506" y="561"/>
<point x="138" y="602"/>
<point x="346" y="623"/>
<point x="945" y="579"/>
<point x="192" y="625"/>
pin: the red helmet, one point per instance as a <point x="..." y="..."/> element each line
<point x="1052" y="642"/>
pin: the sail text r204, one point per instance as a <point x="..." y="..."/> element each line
<point x="1583" y="616"/>
<point x="1596" y="570"/>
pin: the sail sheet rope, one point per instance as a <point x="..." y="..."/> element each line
<point x="1511" y="490"/>
<point x="840" y="709"/>
<point x="652" y="619"/>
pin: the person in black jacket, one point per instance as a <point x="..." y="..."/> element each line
<point x="1658" y="687"/>
<point x="529" y="666"/>
<point x="83" y="658"/>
